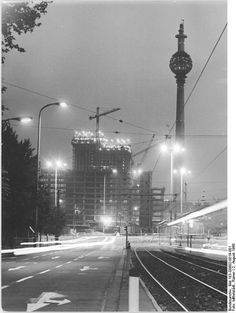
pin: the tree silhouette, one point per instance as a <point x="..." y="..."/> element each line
<point x="19" y="18"/>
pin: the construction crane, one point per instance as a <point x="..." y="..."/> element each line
<point x="97" y="116"/>
<point x="145" y="151"/>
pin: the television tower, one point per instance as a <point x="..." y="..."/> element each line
<point x="180" y="65"/>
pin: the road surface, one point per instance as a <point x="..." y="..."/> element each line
<point x="75" y="277"/>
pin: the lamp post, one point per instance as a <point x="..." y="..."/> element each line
<point x="173" y="149"/>
<point x="56" y="165"/>
<point x="183" y="171"/>
<point x="62" y="104"/>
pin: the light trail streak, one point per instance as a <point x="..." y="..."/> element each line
<point x="213" y="208"/>
<point x="23" y="251"/>
<point x="207" y="251"/>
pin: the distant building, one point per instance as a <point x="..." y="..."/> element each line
<point x="158" y="206"/>
<point x="141" y="202"/>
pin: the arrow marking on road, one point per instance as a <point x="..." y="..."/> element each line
<point x="46" y="298"/>
<point x="87" y="268"/>
<point x="15" y="268"/>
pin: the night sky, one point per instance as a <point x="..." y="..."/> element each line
<point x="116" y="54"/>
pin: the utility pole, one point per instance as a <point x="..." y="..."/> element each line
<point x="185" y="192"/>
<point x="97" y="117"/>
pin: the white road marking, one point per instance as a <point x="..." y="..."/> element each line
<point x="35" y="257"/>
<point x="55" y="257"/>
<point x="45" y="271"/>
<point x="81" y="257"/>
<point x="87" y="268"/>
<point x="25" y="278"/>
<point x="59" y="266"/>
<point x="4" y="287"/>
<point x="45" y="299"/>
<point x="76" y="259"/>
<point x="45" y="254"/>
<point x="68" y="262"/>
<point x="15" y="268"/>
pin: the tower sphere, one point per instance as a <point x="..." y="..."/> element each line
<point x="180" y="63"/>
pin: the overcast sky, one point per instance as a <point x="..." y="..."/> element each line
<point x="116" y="54"/>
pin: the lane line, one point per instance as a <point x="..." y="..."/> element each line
<point x="4" y="287"/>
<point x="25" y="278"/>
<point x="59" y="266"/>
<point x="15" y="268"/>
<point x="68" y="262"/>
<point x="45" y="271"/>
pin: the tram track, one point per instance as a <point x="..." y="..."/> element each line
<point x="172" y="278"/>
<point x="218" y="272"/>
<point x="200" y="260"/>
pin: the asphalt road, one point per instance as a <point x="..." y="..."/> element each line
<point x="76" y="277"/>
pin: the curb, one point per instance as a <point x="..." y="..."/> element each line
<point x="112" y="298"/>
<point x="150" y="296"/>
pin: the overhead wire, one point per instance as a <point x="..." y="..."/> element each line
<point x="76" y="106"/>
<point x="213" y="160"/>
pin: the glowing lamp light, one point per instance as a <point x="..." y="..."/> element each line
<point x="191" y="223"/>
<point x="49" y="164"/>
<point x="106" y="220"/>
<point x="135" y="208"/>
<point x="114" y="171"/>
<point x="183" y="171"/>
<point x="140" y="171"/>
<point x="176" y="148"/>
<point x="26" y="119"/>
<point x="63" y="104"/>
<point x="164" y="148"/>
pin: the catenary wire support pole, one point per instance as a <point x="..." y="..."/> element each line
<point x="97" y="117"/>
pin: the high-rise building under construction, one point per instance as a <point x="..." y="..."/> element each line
<point x="97" y="185"/>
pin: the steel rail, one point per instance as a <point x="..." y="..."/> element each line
<point x="200" y="258"/>
<point x="170" y="294"/>
<point x="205" y="268"/>
<point x="199" y="281"/>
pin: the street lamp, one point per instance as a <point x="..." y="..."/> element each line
<point x="21" y="119"/>
<point x="173" y="149"/>
<point x="183" y="171"/>
<point x="62" y="104"/>
<point x="56" y="165"/>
